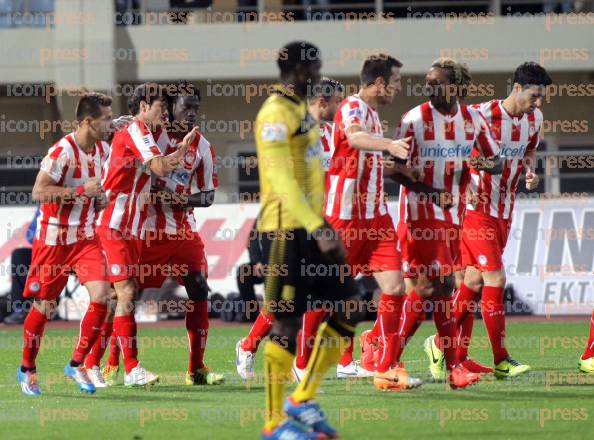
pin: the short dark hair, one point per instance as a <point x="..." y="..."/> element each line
<point x="327" y="87"/>
<point x="90" y="105"/>
<point x="182" y="88"/>
<point x="378" y="65"/>
<point x="295" y="53"/>
<point x="531" y="73"/>
<point x="147" y="92"/>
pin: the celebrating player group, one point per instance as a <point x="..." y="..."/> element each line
<point x="117" y="216"/>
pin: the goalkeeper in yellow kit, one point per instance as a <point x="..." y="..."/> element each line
<point x="306" y="259"/>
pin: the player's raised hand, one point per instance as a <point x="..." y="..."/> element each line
<point x="92" y="188"/>
<point x="189" y="138"/>
<point x="399" y="148"/>
<point x="532" y="180"/>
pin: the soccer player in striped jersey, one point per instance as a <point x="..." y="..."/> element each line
<point x="447" y="138"/>
<point x="322" y="106"/>
<point x="68" y="188"/>
<point x="172" y="245"/>
<point x="127" y="181"/>
<point x="515" y="122"/>
<point x="355" y="204"/>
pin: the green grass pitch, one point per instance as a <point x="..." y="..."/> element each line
<point x="553" y="402"/>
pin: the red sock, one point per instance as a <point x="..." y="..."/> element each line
<point x="90" y="328"/>
<point x="347" y="356"/>
<point x="32" y="334"/>
<point x="465" y="326"/>
<point x="589" y="352"/>
<point x="388" y="321"/>
<point x="96" y="354"/>
<point x="446" y="328"/>
<point x="307" y="335"/>
<point x="114" y="351"/>
<point x="463" y="307"/>
<point x="259" y="331"/>
<point x="125" y="330"/>
<point x="197" y="328"/>
<point x="494" y="316"/>
<point x="412" y="314"/>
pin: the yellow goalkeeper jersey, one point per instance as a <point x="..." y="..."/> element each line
<point x="289" y="164"/>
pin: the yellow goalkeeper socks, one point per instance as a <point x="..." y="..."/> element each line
<point x="277" y="367"/>
<point x="328" y="348"/>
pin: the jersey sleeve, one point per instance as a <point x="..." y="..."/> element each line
<point x="143" y="145"/>
<point x="56" y="162"/>
<point x="406" y="128"/>
<point x="484" y="142"/>
<point x="275" y="125"/>
<point x="351" y="114"/>
<point x="205" y="177"/>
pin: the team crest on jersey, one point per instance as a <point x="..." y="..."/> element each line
<point x="531" y="130"/>
<point x="405" y="266"/>
<point x="482" y="259"/>
<point x="34" y="286"/>
<point x="189" y="158"/>
<point x="116" y="269"/>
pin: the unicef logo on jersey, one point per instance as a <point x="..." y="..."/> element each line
<point x="180" y="176"/>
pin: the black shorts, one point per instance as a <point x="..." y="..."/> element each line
<point x="298" y="277"/>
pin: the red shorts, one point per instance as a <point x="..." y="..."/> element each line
<point x="51" y="266"/>
<point x="171" y="256"/>
<point x="371" y="244"/>
<point x="122" y="253"/>
<point x="483" y="241"/>
<point x="429" y="247"/>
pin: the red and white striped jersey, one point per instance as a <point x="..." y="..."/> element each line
<point x="517" y="135"/>
<point x="127" y="178"/>
<point x="69" y="166"/>
<point x="440" y="149"/>
<point x="355" y="179"/>
<point x="326" y="139"/>
<point x="197" y="174"/>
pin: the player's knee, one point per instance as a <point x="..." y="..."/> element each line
<point x="284" y="333"/>
<point x="197" y="286"/>
<point x="126" y="290"/>
<point x="424" y="287"/>
<point x="495" y="279"/>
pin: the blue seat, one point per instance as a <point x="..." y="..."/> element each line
<point x="7" y="9"/>
<point x="38" y="9"/>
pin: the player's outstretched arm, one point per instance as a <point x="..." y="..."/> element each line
<point x="46" y="190"/>
<point x="361" y="140"/>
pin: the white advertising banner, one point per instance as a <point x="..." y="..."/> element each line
<point x="549" y="258"/>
